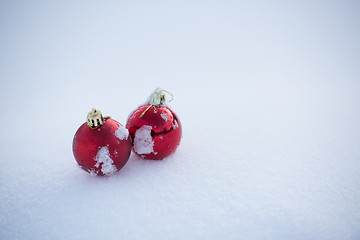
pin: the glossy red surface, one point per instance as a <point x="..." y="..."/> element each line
<point x="87" y="143"/>
<point x="166" y="130"/>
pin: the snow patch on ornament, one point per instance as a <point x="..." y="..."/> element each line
<point x="164" y="116"/>
<point x="103" y="156"/>
<point x="143" y="142"/>
<point x="121" y="133"/>
<point x="92" y="172"/>
<point x="175" y="125"/>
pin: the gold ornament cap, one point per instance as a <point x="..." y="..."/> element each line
<point x="157" y="98"/>
<point x="94" y="119"/>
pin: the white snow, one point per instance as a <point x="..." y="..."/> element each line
<point x="143" y="142"/>
<point x="92" y="172"/>
<point x="175" y="125"/>
<point x="164" y="116"/>
<point x="122" y="133"/>
<point x="103" y="156"/>
<point x="267" y="93"/>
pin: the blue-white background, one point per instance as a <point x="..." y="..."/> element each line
<point x="268" y="94"/>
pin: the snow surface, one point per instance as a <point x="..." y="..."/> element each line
<point x="104" y="160"/>
<point x="122" y="133"/>
<point x="143" y="142"/>
<point x="267" y="93"/>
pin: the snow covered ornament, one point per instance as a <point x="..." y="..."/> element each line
<point x="155" y="129"/>
<point x="101" y="146"/>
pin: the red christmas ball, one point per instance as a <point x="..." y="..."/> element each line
<point x="155" y="131"/>
<point x="101" y="146"/>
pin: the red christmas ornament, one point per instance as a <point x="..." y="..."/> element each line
<point x="101" y="146"/>
<point x="155" y="130"/>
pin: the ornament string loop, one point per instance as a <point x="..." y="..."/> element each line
<point x="157" y="98"/>
<point x="172" y="96"/>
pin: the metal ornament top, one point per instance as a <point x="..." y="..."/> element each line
<point x="157" y="98"/>
<point x="94" y="119"/>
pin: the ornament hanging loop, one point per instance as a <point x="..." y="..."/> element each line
<point x="172" y="96"/>
<point x="157" y="98"/>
